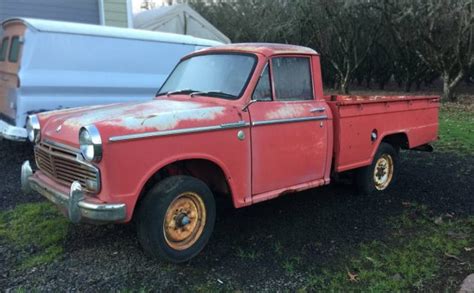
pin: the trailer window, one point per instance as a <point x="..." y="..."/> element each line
<point x="14" y="49"/>
<point x="3" y="49"/>
<point x="292" y="78"/>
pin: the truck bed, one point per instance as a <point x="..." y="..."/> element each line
<point x="411" y="121"/>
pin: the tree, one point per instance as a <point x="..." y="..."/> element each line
<point x="410" y="41"/>
<point x="381" y="60"/>
<point x="441" y="33"/>
<point x="252" y="20"/>
<point x="345" y="33"/>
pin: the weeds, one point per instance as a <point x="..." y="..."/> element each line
<point x="291" y="265"/>
<point x="251" y="254"/>
<point x="278" y="248"/>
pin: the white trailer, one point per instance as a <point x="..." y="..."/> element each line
<point x="48" y="65"/>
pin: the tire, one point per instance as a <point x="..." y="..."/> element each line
<point x="176" y="218"/>
<point x="381" y="174"/>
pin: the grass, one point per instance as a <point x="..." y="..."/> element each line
<point x="456" y="128"/>
<point x="210" y="286"/>
<point x="419" y="251"/>
<point x="140" y="290"/>
<point x="36" y="231"/>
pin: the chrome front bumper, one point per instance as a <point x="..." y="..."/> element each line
<point x="76" y="205"/>
<point x="11" y="132"/>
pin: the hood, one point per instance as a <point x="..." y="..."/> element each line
<point x="123" y="119"/>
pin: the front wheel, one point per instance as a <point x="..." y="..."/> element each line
<point x="176" y="218"/>
<point x="381" y="174"/>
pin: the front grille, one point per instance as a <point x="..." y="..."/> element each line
<point x="61" y="165"/>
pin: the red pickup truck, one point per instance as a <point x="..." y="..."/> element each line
<point x="245" y="121"/>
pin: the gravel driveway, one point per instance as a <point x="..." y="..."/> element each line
<point x="249" y="245"/>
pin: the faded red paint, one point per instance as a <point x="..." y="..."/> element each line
<point x="272" y="160"/>
<point x="355" y="117"/>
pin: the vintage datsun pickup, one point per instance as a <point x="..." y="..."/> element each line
<point x="245" y="121"/>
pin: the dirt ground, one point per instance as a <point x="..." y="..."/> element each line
<point x="271" y="246"/>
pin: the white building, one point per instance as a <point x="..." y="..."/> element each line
<point x="142" y="5"/>
<point x="178" y="19"/>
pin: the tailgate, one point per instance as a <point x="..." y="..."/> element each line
<point x="356" y="118"/>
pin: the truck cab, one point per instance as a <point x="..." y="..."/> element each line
<point x="248" y="122"/>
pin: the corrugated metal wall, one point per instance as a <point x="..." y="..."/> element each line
<point x="115" y="13"/>
<point x="85" y="11"/>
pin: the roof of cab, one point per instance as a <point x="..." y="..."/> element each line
<point x="267" y="49"/>
<point x="107" y="31"/>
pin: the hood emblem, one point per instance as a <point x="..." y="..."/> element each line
<point x="58" y="129"/>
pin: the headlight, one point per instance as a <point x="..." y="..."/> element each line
<point x="90" y="143"/>
<point x="33" y="128"/>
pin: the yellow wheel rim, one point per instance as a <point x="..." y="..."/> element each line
<point x="383" y="172"/>
<point x="184" y="221"/>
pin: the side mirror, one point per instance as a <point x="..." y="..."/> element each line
<point x="245" y="108"/>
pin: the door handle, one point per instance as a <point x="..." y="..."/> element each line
<point x="317" y="110"/>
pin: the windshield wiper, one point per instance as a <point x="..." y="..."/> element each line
<point x="182" y="91"/>
<point x="214" y="93"/>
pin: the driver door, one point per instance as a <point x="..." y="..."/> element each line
<point x="288" y="127"/>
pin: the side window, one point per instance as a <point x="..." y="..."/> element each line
<point x="263" y="90"/>
<point x="3" y="49"/>
<point x="14" y="49"/>
<point x="292" y="78"/>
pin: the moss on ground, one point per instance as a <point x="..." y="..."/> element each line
<point x="36" y="231"/>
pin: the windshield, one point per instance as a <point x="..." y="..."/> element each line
<point x="220" y="75"/>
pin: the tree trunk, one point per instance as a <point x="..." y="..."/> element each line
<point x="399" y="83"/>
<point x="408" y="84"/>
<point x="344" y="87"/>
<point x="450" y="84"/>
<point x="447" y="91"/>
<point x="408" y="81"/>
<point x="418" y="85"/>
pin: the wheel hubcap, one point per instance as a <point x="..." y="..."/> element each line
<point x="184" y="221"/>
<point x="383" y="172"/>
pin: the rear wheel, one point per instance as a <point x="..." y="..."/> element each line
<point x="176" y="218"/>
<point x="381" y="174"/>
